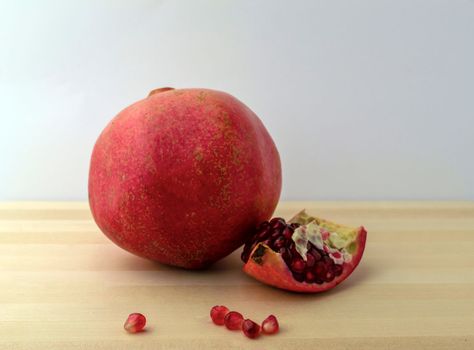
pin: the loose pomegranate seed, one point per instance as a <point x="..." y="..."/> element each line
<point x="218" y="313"/>
<point x="250" y="329"/>
<point x="233" y="320"/>
<point x="135" y="323"/>
<point x="270" y="325"/>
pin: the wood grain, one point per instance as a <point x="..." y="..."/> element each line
<point x="65" y="286"/>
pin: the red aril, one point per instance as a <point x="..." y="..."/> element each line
<point x="270" y="325"/>
<point x="233" y="320"/>
<point x="135" y="323"/>
<point x="218" y="313"/>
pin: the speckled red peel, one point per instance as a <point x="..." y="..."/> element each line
<point x="281" y="265"/>
<point x="183" y="175"/>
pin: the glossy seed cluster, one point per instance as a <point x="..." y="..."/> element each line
<point x="276" y="234"/>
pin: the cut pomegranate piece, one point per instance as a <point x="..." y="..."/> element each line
<point x="307" y="254"/>
<point x="270" y="325"/>
<point x="218" y="313"/>
<point x="135" y="323"/>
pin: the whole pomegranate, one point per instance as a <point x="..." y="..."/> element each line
<point x="183" y="176"/>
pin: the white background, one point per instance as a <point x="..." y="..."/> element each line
<point x="364" y="99"/>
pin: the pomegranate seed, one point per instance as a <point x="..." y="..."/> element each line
<point x="324" y="235"/>
<point x="310" y="261"/>
<point x="270" y="325"/>
<point x="327" y="260"/>
<point x="298" y="277"/>
<point x="263" y="234"/>
<point x="337" y="270"/>
<point x="250" y="329"/>
<point x="218" y="313"/>
<point x="294" y="225"/>
<point x="275" y="235"/>
<point x="279" y="243"/>
<point x="316" y="255"/>
<point x="276" y="220"/>
<point x="320" y="270"/>
<point x="278" y="224"/>
<point x="286" y="255"/>
<point x="135" y="323"/>
<point x="298" y="265"/>
<point x="310" y="277"/>
<point x="293" y="250"/>
<point x="233" y="320"/>
<point x="329" y="276"/>
<point x="288" y="232"/>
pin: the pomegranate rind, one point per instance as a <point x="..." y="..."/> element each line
<point x="267" y="266"/>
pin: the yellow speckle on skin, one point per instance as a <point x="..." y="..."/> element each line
<point x="150" y="164"/>
<point x="201" y="96"/>
<point x="225" y="118"/>
<point x="198" y="154"/>
<point x="236" y="155"/>
<point x="148" y="116"/>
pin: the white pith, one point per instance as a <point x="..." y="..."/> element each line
<point x="331" y="242"/>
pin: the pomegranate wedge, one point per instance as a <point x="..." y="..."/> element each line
<point x="305" y="254"/>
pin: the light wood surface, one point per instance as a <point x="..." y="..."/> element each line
<point x="63" y="285"/>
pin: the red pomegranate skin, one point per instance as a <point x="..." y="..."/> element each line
<point x="183" y="176"/>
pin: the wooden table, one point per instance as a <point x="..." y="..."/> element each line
<point x="63" y="285"/>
